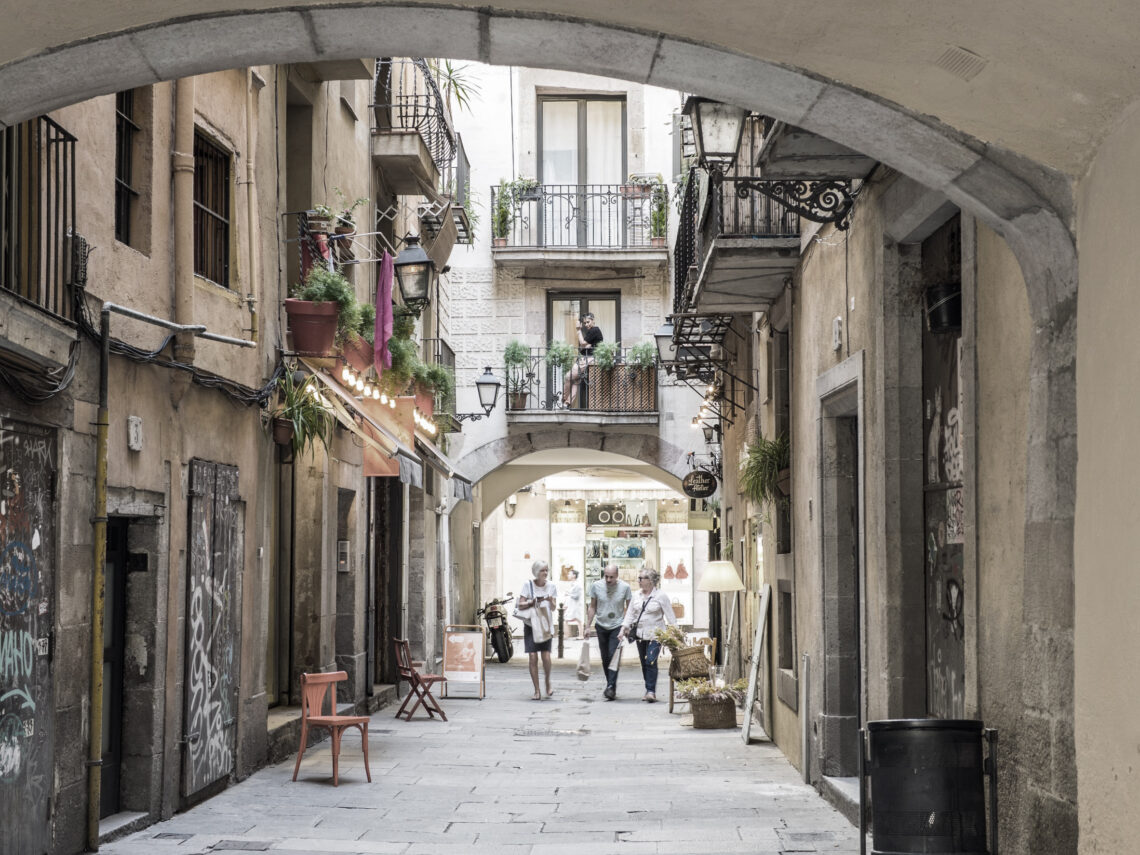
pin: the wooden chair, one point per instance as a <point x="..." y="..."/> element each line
<point x="419" y="684"/>
<point x="709" y="644"/>
<point x="314" y="689"/>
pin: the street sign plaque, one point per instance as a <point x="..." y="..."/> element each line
<point x="699" y="484"/>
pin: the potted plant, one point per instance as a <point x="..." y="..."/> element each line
<point x="641" y="362"/>
<point x="713" y="706"/>
<point x="300" y="419"/>
<point x="659" y="216"/>
<point x="345" y="222"/>
<point x="503" y="216"/>
<point x="765" y="463"/>
<point x="358" y="349"/>
<point x="639" y="186"/>
<point x="320" y="310"/>
<point x="560" y="355"/>
<point x="516" y="358"/>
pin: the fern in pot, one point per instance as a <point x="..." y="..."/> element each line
<point x="763" y="474"/>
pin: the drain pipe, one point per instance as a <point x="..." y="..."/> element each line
<point x="255" y="85"/>
<point x="99" y="531"/>
<point x="182" y="165"/>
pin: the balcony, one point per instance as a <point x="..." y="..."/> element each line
<point x="579" y="224"/>
<point x="436" y="351"/>
<point x="734" y="254"/>
<point x="413" y="143"/>
<point x="624" y="394"/>
<point x="450" y="208"/>
<point x="790" y="152"/>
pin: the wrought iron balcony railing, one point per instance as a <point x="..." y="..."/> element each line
<point x="581" y="216"/>
<point x="406" y="98"/>
<point x="625" y="387"/>
<point x="37" y="214"/>
<point x="734" y="210"/>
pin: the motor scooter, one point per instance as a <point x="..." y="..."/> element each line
<point x="495" y="614"/>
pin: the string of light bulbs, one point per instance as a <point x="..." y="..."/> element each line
<point x="367" y="387"/>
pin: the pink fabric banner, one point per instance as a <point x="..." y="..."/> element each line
<point x="381" y="357"/>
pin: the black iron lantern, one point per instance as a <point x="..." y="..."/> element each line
<point x="488" y="387"/>
<point x="717" y="128"/>
<point x="414" y="273"/>
<point x="666" y="350"/>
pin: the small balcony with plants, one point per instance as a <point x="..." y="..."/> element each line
<point x="438" y="375"/>
<point x="554" y="384"/>
<point x="413" y="142"/>
<point x="581" y="223"/>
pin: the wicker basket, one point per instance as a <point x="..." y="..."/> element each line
<point x="713" y="714"/>
<point x="678" y="610"/>
<point x="689" y="662"/>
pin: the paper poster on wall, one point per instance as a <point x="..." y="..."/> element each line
<point x="463" y="661"/>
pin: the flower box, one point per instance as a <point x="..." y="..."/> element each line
<point x="712" y="714"/>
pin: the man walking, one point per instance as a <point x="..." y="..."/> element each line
<point x="609" y="597"/>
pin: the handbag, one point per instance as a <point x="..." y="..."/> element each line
<point x="541" y="625"/>
<point x="584" y="661"/>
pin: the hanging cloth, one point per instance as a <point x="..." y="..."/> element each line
<point x="381" y="357"/>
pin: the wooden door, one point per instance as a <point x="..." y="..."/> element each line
<point x="213" y="643"/>
<point x="27" y="615"/>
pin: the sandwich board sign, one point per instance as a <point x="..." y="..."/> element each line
<point x="463" y="647"/>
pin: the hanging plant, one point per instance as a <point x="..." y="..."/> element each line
<point x="760" y="471"/>
<point x="300" y="408"/>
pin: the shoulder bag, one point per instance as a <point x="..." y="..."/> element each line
<point x="527" y="614"/>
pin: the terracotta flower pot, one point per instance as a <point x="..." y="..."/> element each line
<point x="499" y="241"/>
<point x="282" y="431"/>
<point x="313" y="326"/>
<point x="657" y="242"/>
<point x="359" y="353"/>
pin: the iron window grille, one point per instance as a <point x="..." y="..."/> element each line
<point x="126" y="130"/>
<point x="211" y="211"/>
<point x="37" y="214"/>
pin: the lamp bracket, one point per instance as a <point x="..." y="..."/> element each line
<point x="469" y="417"/>
<point x="827" y="201"/>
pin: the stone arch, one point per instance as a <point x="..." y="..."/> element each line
<point x="668" y="460"/>
<point x="1029" y="204"/>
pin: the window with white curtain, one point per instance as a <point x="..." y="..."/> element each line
<point x="581" y="168"/>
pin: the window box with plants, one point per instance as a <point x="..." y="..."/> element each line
<point x="659" y="216"/>
<point x="520" y="374"/>
<point x="320" y="310"/>
<point x="639" y="186"/>
<point x="601" y="380"/>
<point x="508" y="196"/>
<point x="641" y="375"/>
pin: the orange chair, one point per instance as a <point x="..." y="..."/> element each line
<point x="314" y="690"/>
<point x="419" y="684"/>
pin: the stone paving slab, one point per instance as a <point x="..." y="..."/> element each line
<point x="573" y="775"/>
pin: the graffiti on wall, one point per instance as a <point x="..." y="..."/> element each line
<point x="27" y="479"/>
<point x="215" y="552"/>
<point x="945" y="526"/>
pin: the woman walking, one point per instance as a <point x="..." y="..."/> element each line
<point x="543" y="595"/>
<point x="649" y="611"/>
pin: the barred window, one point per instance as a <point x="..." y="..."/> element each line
<point x="126" y="194"/>
<point x="211" y="210"/>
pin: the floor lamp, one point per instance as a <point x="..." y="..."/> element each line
<point x="720" y="577"/>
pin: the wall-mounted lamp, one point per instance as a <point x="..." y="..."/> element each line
<point x="487" y="386"/>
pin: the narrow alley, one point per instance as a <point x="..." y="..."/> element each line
<point x="572" y="774"/>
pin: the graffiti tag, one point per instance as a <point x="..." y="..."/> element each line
<point x="17" y="578"/>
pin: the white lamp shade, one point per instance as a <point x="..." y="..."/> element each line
<point x="719" y="577"/>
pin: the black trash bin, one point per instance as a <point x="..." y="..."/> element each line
<point x="927" y="786"/>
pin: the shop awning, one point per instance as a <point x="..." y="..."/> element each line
<point x="385" y="448"/>
<point x="441" y="463"/>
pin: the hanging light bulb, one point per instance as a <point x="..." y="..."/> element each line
<point x="383" y="397"/>
<point x="392" y="403"/>
<point x="346" y="373"/>
<point x="367" y="390"/>
<point x="376" y="392"/>
<point x="359" y="384"/>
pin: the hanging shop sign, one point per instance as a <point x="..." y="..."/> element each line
<point x="699" y="484"/>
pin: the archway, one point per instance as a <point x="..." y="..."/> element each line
<point x="1030" y="205"/>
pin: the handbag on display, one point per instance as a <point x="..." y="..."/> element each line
<point x="682" y="573"/>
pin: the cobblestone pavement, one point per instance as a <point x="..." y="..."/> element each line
<point x="572" y="775"/>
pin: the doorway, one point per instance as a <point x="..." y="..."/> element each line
<point x="841" y="551"/>
<point x="563" y="313"/>
<point x="114" y="664"/>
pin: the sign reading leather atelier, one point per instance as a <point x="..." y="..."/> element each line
<point x="699" y="484"/>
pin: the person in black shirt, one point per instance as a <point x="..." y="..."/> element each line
<point x="588" y="336"/>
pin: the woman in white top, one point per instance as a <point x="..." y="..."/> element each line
<point x="542" y="595"/>
<point x="649" y="611"/>
<point x="574" y="606"/>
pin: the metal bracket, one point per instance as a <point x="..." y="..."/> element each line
<point x="828" y="201"/>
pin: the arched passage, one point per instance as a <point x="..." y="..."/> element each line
<point x="87" y="53"/>
<point x="666" y="462"/>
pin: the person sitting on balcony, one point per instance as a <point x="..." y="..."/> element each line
<point x="588" y="336"/>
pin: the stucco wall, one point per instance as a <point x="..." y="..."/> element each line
<point x="1107" y="634"/>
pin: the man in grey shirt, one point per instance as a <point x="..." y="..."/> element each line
<point x="609" y="597"/>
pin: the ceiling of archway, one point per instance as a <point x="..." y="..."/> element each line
<point x="1050" y="77"/>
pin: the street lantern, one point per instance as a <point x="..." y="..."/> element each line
<point x="488" y="388"/>
<point x="717" y="128"/>
<point x="666" y="350"/>
<point x="414" y="273"/>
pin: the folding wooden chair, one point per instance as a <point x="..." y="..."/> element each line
<point x="314" y="689"/>
<point x="419" y="684"/>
